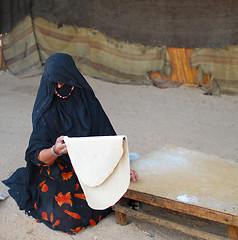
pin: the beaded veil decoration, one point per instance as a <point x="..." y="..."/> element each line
<point x="60" y="96"/>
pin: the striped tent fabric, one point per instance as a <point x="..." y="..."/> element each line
<point x="100" y="56"/>
<point x="221" y="64"/>
<point x="182" y="70"/>
<point x="31" y="42"/>
<point x="3" y="65"/>
<point x="20" y="50"/>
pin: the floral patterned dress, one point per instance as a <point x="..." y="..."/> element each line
<point x="52" y="193"/>
<point x="67" y="210"/>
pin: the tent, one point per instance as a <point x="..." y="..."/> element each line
<point x="165" y="43"/>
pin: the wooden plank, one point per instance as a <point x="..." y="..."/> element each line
<point x="3" y="65"/>
<point x="233" y="232"/>
<point x="183" y="207"/>
<point x="121" y="217"/>
<point x="165" y="223"/>
<point x="190" y="177"/>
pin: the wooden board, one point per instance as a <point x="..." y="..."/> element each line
<point x="190" y="177"/>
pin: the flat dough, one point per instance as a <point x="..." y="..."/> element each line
<point x="102" y="167"/>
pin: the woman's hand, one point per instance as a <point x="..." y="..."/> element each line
<point x="134" y="175"/>
<point x="49" y="155"/>
<point x="60" y="146"/>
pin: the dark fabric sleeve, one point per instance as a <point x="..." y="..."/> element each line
<point x="39" y="140"/>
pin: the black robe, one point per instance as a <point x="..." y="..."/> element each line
<point x="52" y="193"/>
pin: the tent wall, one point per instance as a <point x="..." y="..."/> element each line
<point x="221" y="64"/>
<point x="20" y="50"/>
<point x="94" y="53"/>
<point x="182" y="70"/>
<point x="3" y="65"/>
<point x="30" y="42"/>
<point x="12" y="12"/>
<point x="173" y="23"/>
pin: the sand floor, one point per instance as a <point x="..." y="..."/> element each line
<point x="150" y="117"/>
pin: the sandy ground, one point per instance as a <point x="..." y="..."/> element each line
<point x="149" y="116"/>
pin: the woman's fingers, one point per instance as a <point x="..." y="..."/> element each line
<point x="64" y="148"/>
<point x="60" y="145"/>
<point x="60" y="139"/>
<point x="134" y="175"/>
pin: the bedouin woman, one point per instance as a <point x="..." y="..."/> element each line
<point x="47" y="188"/>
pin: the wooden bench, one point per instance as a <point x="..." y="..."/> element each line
<point x="186" y="181"/>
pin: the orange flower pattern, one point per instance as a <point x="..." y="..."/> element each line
<point x="80" y="195"/>
<point x="56" y="223"/>
<point x="61" y="199"/>
<point x="51" y="217"/>
<point x="40" y="185"/>
<point x="69" y="204"/>
<point x="44" y="187"/>
<point x="44" y="217"/>
<point x="76" y="186"/>
<point x="67" y="176"/>
<point x="76" y="230"/>
<point x="92" y="222"/>
<point x="61" y="167"/>
<point x="72" y="214"/>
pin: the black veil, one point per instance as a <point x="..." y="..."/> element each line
<point x="81" y="114"/>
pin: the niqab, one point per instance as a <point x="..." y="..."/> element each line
<point x="81" y="114"/>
